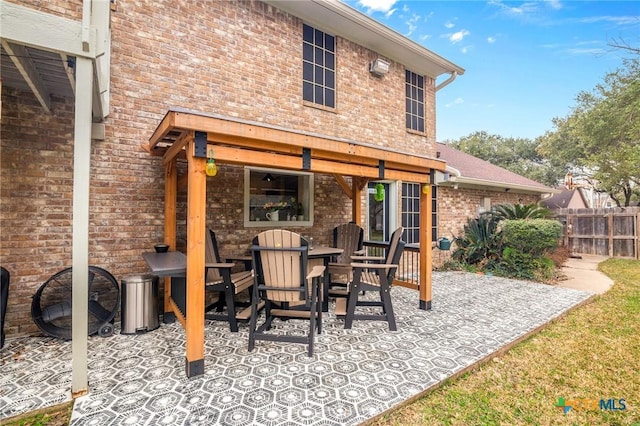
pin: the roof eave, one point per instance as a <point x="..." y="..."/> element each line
<point x="461" y="180"/>
<point x="342" y="20"/>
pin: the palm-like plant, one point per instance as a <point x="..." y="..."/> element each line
<point x="481" y="241"/>
<point x="519" y="211"/>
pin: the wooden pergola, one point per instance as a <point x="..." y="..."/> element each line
<point x="189" y="135"/>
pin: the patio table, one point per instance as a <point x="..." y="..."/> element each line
<point x="318" y="256"/>
<point x="170" y="264"/>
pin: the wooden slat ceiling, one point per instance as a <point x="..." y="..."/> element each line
<point x="256" y="144"/>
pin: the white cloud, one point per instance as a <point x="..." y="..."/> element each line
<point x="458" y="36"/>
<point x="456" y="101"/>
<point x="449" y="24"/>
<point x="412" y="24"/>
<point x="491" y="40"/>
<point x="555" y="4"/>
<point x="522" y="9"/>
<point x="377" y="5"/>
<point x="586" y="51"/>
<point x="389" y="13"/>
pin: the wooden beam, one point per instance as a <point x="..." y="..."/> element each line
<point x="240" y="156"/>
<point x="23" y="62"/>
<point x="178" y="146"/>
<point x="316" y="153"/>
<point x="346" y="188"/>
<point x="196" y="227"/>
<point x="356" y="201"/>
<point x="166" y="125"/>
<point x="426" y="255"/>
<point x="170" y="226"/>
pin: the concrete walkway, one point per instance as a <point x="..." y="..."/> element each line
<point x="583" y="274"/>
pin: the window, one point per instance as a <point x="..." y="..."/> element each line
<point x="415" y="101"/>
<point x="272" y="197"/>
<point x="318" y="67"/>
<point x="411" y="212"/>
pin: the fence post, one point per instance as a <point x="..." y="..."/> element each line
<point x="638" y="236"/>
<point x="610" y="221"/>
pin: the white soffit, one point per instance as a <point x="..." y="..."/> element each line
<point x="337" y="18"/>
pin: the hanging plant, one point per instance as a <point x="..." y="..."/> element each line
<point x="379" y="195"/>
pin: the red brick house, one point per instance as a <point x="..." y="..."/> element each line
<point x="84" y="93"/>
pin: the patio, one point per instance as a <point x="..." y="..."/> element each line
<point x="354" y="375"/>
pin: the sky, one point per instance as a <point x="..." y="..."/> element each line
<point x="525" y="62"/>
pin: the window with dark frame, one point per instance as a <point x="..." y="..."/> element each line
<point x="318" y="67"/>
<point x="273" y="196"/>
<point x="414" y="84"/>
<point x="411" y="212"/>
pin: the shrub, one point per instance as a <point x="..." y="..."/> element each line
<point x="481" y="241"/>
<point x="535" y="237"/>
<point x="516" y="264"/>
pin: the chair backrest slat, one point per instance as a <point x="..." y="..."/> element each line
<point x="280" y="259"/>
<point x="212" y="255"/>
<point x="394" y="252"/>
<point x="349" y="237"/>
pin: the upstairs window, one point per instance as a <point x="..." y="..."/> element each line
<point x="318" y="67"/>
<point x="415" y="101"/>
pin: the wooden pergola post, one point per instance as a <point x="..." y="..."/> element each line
<point x="170" y="224"/>
<point x="196" y="224"/>
<point x="426" y="255"/>
<point x="356" y="198"/>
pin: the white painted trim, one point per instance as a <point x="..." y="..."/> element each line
<point x="26" y="26"/>
<point x="22" y="60"/>
<point x="80" y="240"/>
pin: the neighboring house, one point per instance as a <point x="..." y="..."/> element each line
<point x="566" y="199"/>
<point x="74" y="178"/>
<point x="474" y="186"/>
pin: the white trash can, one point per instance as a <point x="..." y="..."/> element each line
<point x="139" y="304"/>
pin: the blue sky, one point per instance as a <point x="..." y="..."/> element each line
<point x="525" y="62"/>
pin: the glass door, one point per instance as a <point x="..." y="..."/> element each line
<point x="378" y="216"/>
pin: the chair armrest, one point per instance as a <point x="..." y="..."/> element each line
<point x="219" y="265"/>
<point x="361" y="252"/>
<point x="317" y="271"/>
<point x="373" y="265"/>
<point x="368" y="258"/>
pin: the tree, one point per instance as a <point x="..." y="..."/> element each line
<point x="518" y="155"/>
<point x="601" y="137"/>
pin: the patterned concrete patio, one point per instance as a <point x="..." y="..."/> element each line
<point x="354" y="375"/>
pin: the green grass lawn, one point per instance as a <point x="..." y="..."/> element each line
<point x="591" y="354"/>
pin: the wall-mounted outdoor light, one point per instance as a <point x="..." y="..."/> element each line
<point x="379" y="67"/>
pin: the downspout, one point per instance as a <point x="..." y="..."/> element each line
<point x="452" y="76"/>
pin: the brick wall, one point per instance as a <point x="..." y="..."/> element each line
<point x="240" y="59"/>
<point x="36" y="181"/>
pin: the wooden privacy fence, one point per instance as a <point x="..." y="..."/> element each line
<point x="609" y="232"/>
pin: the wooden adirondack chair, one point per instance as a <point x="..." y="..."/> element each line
<point x="374" y="274"/>
<point x="282" y="282"/>
<point x="227" y="284"/>
<point x="349" y="237"/>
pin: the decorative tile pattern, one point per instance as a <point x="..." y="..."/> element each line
<point x="353" y="376"/>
